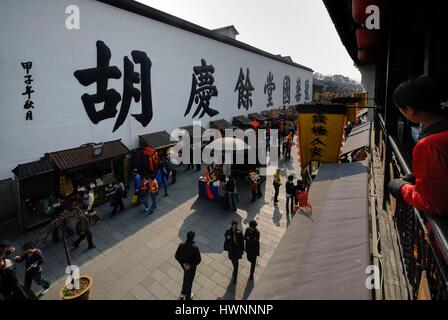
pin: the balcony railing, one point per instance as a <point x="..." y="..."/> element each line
<point x="423" y="238"/>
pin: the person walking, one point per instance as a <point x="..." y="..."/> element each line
<point x="290" y="195"/>
<point x="144" y="191"/>
<point x="230" y="189"/>
<point x="137" y="183"/>
<point x="90" y="201"/>
<point x="83" y="230"/>
<point x="234" y="245"/>
<point x="117" y="200"/>
<point x="277" y="183"/>
<point x="153" y="191"/>
<point x="252" y="238"/>
<point x="222" y="192"/>
<point x="34" y="260"/>
<point x="164" y="174"/>
<point x="259" y="183"/>
<point x="253" y="182"/>
<point x="189" y="258"/>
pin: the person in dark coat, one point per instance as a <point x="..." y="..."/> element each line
<point x="235" y="246"/>
<point x="83" y="230"/>
<point x="117" y="200"/>
<point x="252" y="238"/>
<point x="290" y="195"/>
<point x="34" y="259"/>
<point x="189" y="257"/>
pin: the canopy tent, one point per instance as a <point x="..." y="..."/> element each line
<point x="324" y="256"/>
<point x="157" y="140"/>
<point x="358" y="138"/>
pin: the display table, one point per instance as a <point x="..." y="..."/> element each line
<point x="214" y="190"/>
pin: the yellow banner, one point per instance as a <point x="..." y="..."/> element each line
<point x="365" y="96"/>
<point x="351" y="113"/>
<point x="320" y="137"/>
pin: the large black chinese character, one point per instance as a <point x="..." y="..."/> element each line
<point x="298" y="89"/>
<point x="316" y="152"/>
<point x="27" y="66"/>
<point x="101" y="75"/>
<point x="317" y="142"/>
<point x="245" y="89"/>
<point x="286" y="90"/>
<point x="269" y="87"/>
<point x="202" y="90"/>
<point x="319" y="118"/>
<point x="28" y="79"/>
<point x="319" y="131"/>
<point x="307" y="90"/>
<point x="129" y="91"/>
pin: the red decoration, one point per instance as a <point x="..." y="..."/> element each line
<point x="359" y="9"/>
<point x="207" y="185"/>
<point x="153" y="158"/>
<point x="367" y="39"/>
<point x="255" y="124"/>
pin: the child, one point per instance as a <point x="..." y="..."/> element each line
<point x="33" y="266"/>
<point x="425" y="190"/>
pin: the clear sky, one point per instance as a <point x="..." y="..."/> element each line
<point x="301" y="29"/>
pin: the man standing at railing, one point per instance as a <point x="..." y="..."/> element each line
<point x="418" y="100"/>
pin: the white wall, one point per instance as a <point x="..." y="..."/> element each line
<point x="35" y="31"/>
<point x="368" y="81"/>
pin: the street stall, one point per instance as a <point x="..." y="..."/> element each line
<point x="36" y="187"/>
<point x="242" y="122"/>
<point x="208" y="185"/>
<point x="91" y="165"/>
<point x="271" y="117"/>
<point x="152" y="147"/>
<point x="221" y="125"/>
<point x="258" y="118"/>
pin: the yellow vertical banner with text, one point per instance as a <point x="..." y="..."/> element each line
<point x="320" y="130"/>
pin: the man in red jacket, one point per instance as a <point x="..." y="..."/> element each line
<point x="419" y="102"/>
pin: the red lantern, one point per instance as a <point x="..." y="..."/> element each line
<point x="367" y="39"/>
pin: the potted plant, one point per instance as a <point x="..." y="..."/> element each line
<point x="61" y="222"/>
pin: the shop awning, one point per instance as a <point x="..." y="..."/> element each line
<point x="190" y="130"/>
<point x="257" y="116"/>
<point x="358" y="138"/>
<point x="85" y="155"/>
<point x="34" y="168"/>
<point x="221" y="124"/>
<point x="241" y="121"/>
<point x="270" y="114"/>
<point x="362" y="112"/>
<point x="326" y="257"/>
<point x="157" y="140"/>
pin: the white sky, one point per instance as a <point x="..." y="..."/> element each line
<point x="301" y="29"/>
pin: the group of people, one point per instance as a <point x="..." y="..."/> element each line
<point x="236" y="243"/>
<point x="10" y="287"/>
<point x="255" y="182"/>
<point x="292" y="190"/>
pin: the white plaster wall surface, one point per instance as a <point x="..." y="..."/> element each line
<point x="35" y="31"/>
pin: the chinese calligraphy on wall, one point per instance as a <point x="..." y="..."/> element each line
<point x="286" y="90"/>
<point x="269" y="88"/>
<point x="110" y="97"/>
<point x="29" y="104"/>
<point x="202" y="90"/>
<point x="244" y="88"/>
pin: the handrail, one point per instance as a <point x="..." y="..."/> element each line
<point x="423" y="237"/>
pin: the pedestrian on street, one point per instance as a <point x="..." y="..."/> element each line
<point x="253" y="184"/>
<point x="234" y="245"/>
<point x="56" y="209"/>
<point x="90" y="201"/>
<point x="277" y="183"/>
<point x="137" y="183"/>
<point x="230" y="189"/>
<point x="290" y="195"/>
<point x="259" y="183"/>
<point x="83" y="230"/>
<point x="34" y="259"/>
<point x="117" y="200"/>
<point x="189" y="257"/>
<point x="153" y="190"/>
<point x="162" y="175"/>
<point x="144" y="191"/>
<point x="222" y="192"/>
<point x="252" y="238"/>
<point x="172" y="167"/>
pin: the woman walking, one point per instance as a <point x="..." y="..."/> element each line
<point x="252" y="238"/>
<point x="234" y="245"/>
<point x="277" y="183"/>
<point x="290" y="195"/>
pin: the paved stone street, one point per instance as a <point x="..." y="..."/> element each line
<point x="134" y="255"/>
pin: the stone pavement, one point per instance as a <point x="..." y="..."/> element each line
<point x="134" y="255"/>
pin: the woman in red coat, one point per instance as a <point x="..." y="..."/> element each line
<point x="418" y="100"/>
